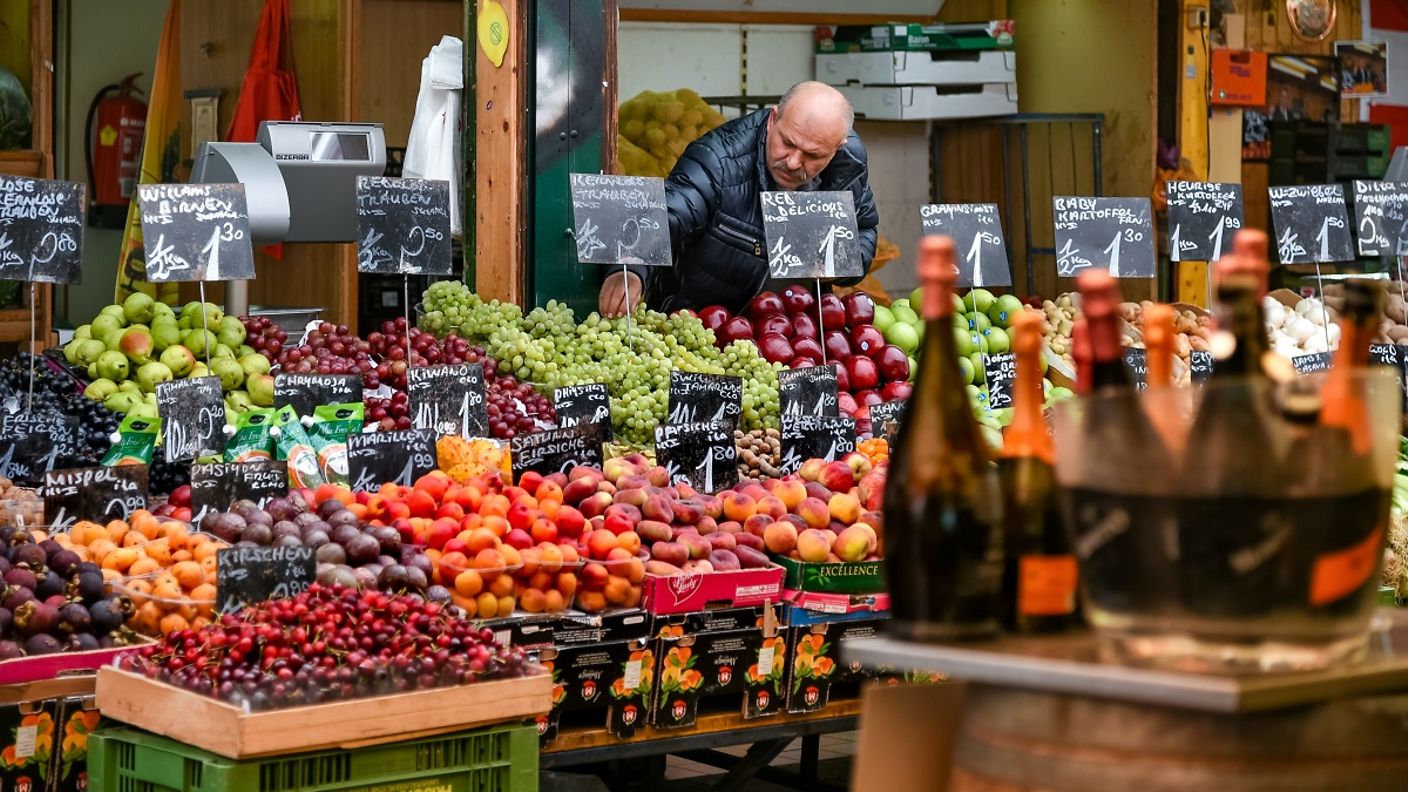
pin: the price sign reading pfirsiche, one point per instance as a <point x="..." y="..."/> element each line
<point x="449" y="399"/>
<point x="217" y="485"/>
<point x="403" y="226"/>
<point x="1202" y="219"/>
<point x="885" y="420"/>
<point x="399" y="457"/>
<point x="815" y="438"/>
<point x="812" y="234"/>
<point x="250" y="575"/>
<point x="192" y="418"/>
<point x="307" y="391"/>
<point x="808" y="391"/>
<point x="31" y="444"/>
<point x="195" y="232"/>
<point x="557" y="450"/>
<point x="1381" y="218"/>
<point x="703" y="456"/>
<point x="41" y="229"/>
<point x="1312" y="225"/>
<point x="977" y="231"/>
<point x="1000" y="371"/>
<point x="703" y="398"/>
<point x="583" y="404"/>
<point x="1113" y="234"/>
<point x="620" y="219"/>
<point x="98" y="494"/>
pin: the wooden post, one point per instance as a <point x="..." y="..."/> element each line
<point x="1194" y="63"/>
<point x="500" y="112"/>
<point x="41" y="54"/>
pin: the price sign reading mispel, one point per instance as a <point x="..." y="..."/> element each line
<point x="1312" y="224"/>
<point x="195" y="232"/>
<point x="702" y="455"/>
<point x="32" y="443"/>
<point x="98" y="493"/>
<point x="583" y="404"/>
<point x="192" y="417"/>
<point x="1381" y="218"/>
<point x="400" y="457"/>
<point x="557" y="450"/>
<point x="449" y="399"/>
<point x="812" y="234"/>
<point x="1113" y="234"/>
<point x="403" y="226"/>
<point x="977" y="231"/>
<point x="620" y="219"/>
<point x="1202" y="218"/>
<point x="703" y="398"/>
<point x="808" y="391"/>
<point x="815" y="438"/>
<point x="41" y="229"/>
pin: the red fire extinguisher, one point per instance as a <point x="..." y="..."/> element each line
<point x="113" y="131"/>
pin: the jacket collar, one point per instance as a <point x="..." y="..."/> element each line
<point x="839" y="174"/>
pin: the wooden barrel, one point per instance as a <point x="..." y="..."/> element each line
<point x="1023" y="741"/>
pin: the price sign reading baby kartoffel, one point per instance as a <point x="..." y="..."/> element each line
<point x="1113" y="234"/>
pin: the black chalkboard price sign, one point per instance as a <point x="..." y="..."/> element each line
<point x="702" y="455"/>
<point x="403" y="226"/>
<point x="583" y="404"/>
<point x="703" y="398"/>
<point x="1200" y="365"/>
<point x="815" y="438"/>
<point x="307" y="391"/>
<point x="192" y="417"/>
<point x="41" y="229"/>
<point x="98" y="493"/>
<point x="977" y="231"/>
<point x="1313" y="362"/>
<point x="999" y="371"/>
<point x="250" y="575"/>
<point x="557" y="450"/>
<point x="32" y="443"/>
<point x="1202" y="219"/>
<point x="1312" y="225"/>
<point x="812" y="234"/>
<point x="1381" y="218"/>
<point x="620" y="219"/>
<point x="215" y="486"/>
<point x="449" y="399"/>
<point x="1385" y="355"/>
<point x="195" y="232"/>
<point x="400" y="457"/>
<point x="1113" y="234"/>
<point x="1136" y="362"/>
<point x="885" y="420"/>
<point x="808" y="391"/>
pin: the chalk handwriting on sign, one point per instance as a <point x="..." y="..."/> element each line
<point x="977" y="231"/>
<point x="583" y="404"/>
<point x="31" y="444"/>
<point x="557" y="450"/>
<point x="250" y="575"/>
<point x="217" y="485"/>
<point x="41" y="229"/>
<point x="815" y="438"/>
<point x="701" y="455"/>
<point x="812" y="234"/>
<point x="98" y="493"/>
<point x="192" y="417"/>
<point x="449" y="399"/>
<point x="885" y="420"/>
<point x="1381" y="218"/>
<point x="704" y="398"/>
<point x="808" y="391"/>
<point x="1311" y="223"/>
<point x="620" y="219"/>
<point x="403" y="226"/>
<point x="399" y="457"/>
<point x="1113" y="234"/>
<point x="1202" y="219"/>
<point x="195" y="232"/>
<point x="308" y="391"/>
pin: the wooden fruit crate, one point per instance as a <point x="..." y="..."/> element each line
<point x="231" y="732"/>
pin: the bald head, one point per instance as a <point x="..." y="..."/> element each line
<point x="809" y="125"/>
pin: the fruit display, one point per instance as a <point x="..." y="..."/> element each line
<point x="328" y="643"/>
<point x="20" y="506"/>
<point x="830" y="510"/>
<point x="759" y="453"/>
<point x="658" y="125"/>
<point x="56" y="392"/>
<point x="1306" y="325"/>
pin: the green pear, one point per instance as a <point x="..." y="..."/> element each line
<point x="116" y="312"/>
<point x="239" y="401"/>
<point x="100" y="389"/>
<point x="261" y="389"/>
<point x="130" y="386"/>
<point x="162" y="309"/>
<point x="222" y="351"/>
<point x="179" y="359"/>
<point x="189" y="312"/>
<point x="199" y="370"/>
<point x="199" y="341"/>
<point x="254" y="364"/>
<point x="101" y="326"/>
<point x="165" y="333"/>
<point x="113" y="365"/>
<point x="138" y="308"/>
<point x="83" y="331"/>
<point x="213" y="316"/>
<point x="151" y="374"/>
<point x="93" y="371"/>
<point x="136" y="344"/>
<point x="245" y="349"/>
<point x="231" y="332"/>
<point x="71" y="351"/>
<point x="89" y="350"/>
<point x="113" y="340"/>
<point x="120" y="401"/>
<point x="229" y="371"/>
<point x="144" y="410"/>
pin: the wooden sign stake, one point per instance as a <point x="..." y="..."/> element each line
<point x="32" y="345"/>
<point x="1324" y="312"/>
<point x="204" y="326"/>
<point x="820" y="328"/>
<point x="406" y="307"/>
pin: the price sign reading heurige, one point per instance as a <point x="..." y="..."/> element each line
<point x="702" y="398"/>
<point x="702" y="455"/>
<point x="1113" y="234"/>
<point x="41" y="229"/>
<point x="403" y="226"/>
<point x="620" y="220"/>
<point x="885" y="420"/>
<point x="192" y="417"/>
<point x="557" y="450"/>
<point x="215" y="486"/>
<point x="1000" y="371"/>
<point x="307" y="391"/>
<point x="98" y="493"/>
<point x="1136" y="362"/>
<point x="815" y="438"/>
<point x="250" y="575"/>
<point x="195" y="232"/>
<point x="32" y="443"/>
<point x="400" y="457"/>
<point x="1381" y="218"/>
<point x="1199" y="365"/>
<point x="808" y="391"/>
<point x="583" y="404"/>
<point x="449" y="399"/>
<point x="812" y="234"/>
<point x="977" y="231"/>
<point x="1202" y="219"/>
<point x="1312" y="225"/>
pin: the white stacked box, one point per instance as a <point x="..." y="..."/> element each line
<point x="905" y="86"/>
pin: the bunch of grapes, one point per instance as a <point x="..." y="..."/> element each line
<point x="263" y="336"/>
<point x="327" y="349"/>
<point x="57" y="393"/>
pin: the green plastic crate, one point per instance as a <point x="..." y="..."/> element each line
<point x="503" y="759"/>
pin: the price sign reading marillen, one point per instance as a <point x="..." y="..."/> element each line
<point x="620" y="220"/>
<point x="977" y="230"/>
<point x="196" y="232"/>
<point x="1202" y="218"/>
<point x="1312" y="225"/>
<point x="403" y="226"/>
<point x="1381" y="218"/>
<point x="41" y="229"/>
<point x="399" y="457"/>
<point x="812" y="234"/>
<point x="1113" y="234"/>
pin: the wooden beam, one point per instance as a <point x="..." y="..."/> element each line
<point x="763" y="17"/>
<point x="1193" y="62"/>
<point x="609" y="85"/>
<point x="41" y="54"/>
<point x="501" y="161"/>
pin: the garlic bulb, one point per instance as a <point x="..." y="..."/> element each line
<point x="1300" y="329"/>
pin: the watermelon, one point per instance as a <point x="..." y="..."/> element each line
<point x="16" y="113"/>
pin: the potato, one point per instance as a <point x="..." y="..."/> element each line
<point x="1198" y="343"/>
<point x="1398" y="333"/>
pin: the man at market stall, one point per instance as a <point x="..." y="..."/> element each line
<point x="804" y="143"/>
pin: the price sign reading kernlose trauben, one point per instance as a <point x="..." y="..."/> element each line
<point x="41" y="229"/>
<point x="620" y="220"/>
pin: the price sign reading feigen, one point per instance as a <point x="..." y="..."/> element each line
<point x="1381" y="218"/>
<point x="195" y="232"/>
<point x="808" y="391"/>
<point x="192" y="417"/>
<point x="1113" y="234"/>
<point x="812" y="234"/>
<point x="403" y="226"/>
<point x="702" y="455"/>
<point x="400" y="457"/>
<point x="1312" y="225"/>
<point x="620" y="219"/>
<point x="449" y="399"/>
<point x="703" y="398"/>
<point x="98" y="493"/>
<point x="41" y="229"/>
<point x="1202" y="218"/>
<point x="977" y="231"/>
<point x="32" y="443"/>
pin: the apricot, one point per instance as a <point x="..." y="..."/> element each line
<point x="488" y="605"/>
<point x="469" y="583"/>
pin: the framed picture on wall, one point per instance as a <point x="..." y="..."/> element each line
<point x="1298" y="88"/>
<point x="1363" y="68"/>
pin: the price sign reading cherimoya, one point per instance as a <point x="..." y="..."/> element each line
<point x="701" y="398"/>
<point x="41" y="229"/>
<point x="307" y="391"/>
<point x="449" y="399"/>
<point x="812" y="234"/>
<point x="620" y="219"/>
<point x="977" y="231"/>
<point x="1312" y="225"/>
<point x="1381" y="218"/>
<point x="1202" y="218"/>
<point x="702" y="455"/>
<point x="195" y="232"/>
<point x="97" y="493"/>
<point x="403" y="226"/>
<point x="1113" y="234"/>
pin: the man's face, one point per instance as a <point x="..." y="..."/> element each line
<point x="797" y="152"/>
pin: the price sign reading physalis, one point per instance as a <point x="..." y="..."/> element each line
<point x="1202" y="218"/>
<point x="195" y="232"/>
<point x="1113" y="234"/>
<point x="99" y="494"/>
<point x="400" y="457"/>
<point x="704" y="398"/>
<point x="977" y="231"/>
<point x="999" y="371"/>
<point x="583" y="404"/>
<point x="815" y="438"/>
<point x="449" y="399"/>
<point x="812" y="234"/>
<point x="808" y="391"/>
<point x="41" y="229"/>
<point x="620" y="219"/>
<point x="403" y="226"/>
<point x="702" y="455"/>
<point x="1312" y="225"/>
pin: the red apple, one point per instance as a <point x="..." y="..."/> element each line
<point x="846" y="403"/>
<point x="802" y="361"/>
<point x="843" y="379"/>
<point x="869" y="398"/>
<point x="836" y="344"/>
<point x="806" y="347"/>
<point x="804" y="325"/>
<point x="764" y="304"/>
<point x="773" y="323"/>
<point x="713" y="317"/>
<point x="893" y="363"/>
<point x="866" y="340"/>
<point x="775" y="348"/>
<point x="181" y="496"/>
<point x="833" y="313"/>
<point x="860" y="309"/>
<point x="737" y="329"/>
<point x="864" y="374"/>
<point x="797" y="298"/>
<point x="896" y="390"/>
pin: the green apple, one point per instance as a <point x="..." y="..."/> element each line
<point x="976" y="396"/>
<point x="969" y="373"/>
<point x="1003" y="416"/>
<point x="903" y="336"/>
<point x="903" y="314"/>
<point x="979" y="300"/>
<point x="915" y="300"/>
<point x="979" y="341"/>
<point x="964" y="341"/>
<point x="1006" y="309"/>
<point x="998" y="342"/>
<point x="1059" y="394"/>
<point x="913" y="369"/>
<point x="978" y="322"/>
<point x="980" y="373"/>
<point x="883" y="318"/>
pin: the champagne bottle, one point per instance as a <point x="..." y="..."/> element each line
<point x="1039" y="571"/>
<point x="1080" y="353"/>
<point x="942" y="505"/>
<point x="1157" y="326"/>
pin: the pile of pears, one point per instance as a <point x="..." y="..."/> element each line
<point x="129" y="349"/>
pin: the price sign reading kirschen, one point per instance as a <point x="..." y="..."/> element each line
<point x="215" y="486"/>
<point x="885" y="420"/>
<point x="403" y="226"/>
<point x="31" y="444"/>
<point x="196" y="232"/>
<point x="620" y="220"/>
<point x="703" y="398"/>
<point x="1311" y="224"/>
<point x="1113" y="234"/>
<point x="1199" y="365"/>
<point x="192" y="417"/>
<point x="702" y="455"/>
<point x="307" y="391"/>
<point x="977" y="231"/>
<point x="1202" y="218"/>
<point x="583" y="404"/>
<point x="400" y="457"/>
<point x="41" y="229"/>
<point x="449" y="399"/>
<point x="812" y="234"/>
<point x="1136" y="362"/>
<point x="1313" y="362"/>
<point x="250" y="575"/>
<point x="1381" y="217"/>
<point x="999" y="371"/>
<point x="557" y="450"/>
<point x="808" y="391"/>
<point x="815" y="438"/>
<point x="98" y="493"/>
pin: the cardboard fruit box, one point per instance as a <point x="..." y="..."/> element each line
<point x="695" y="592"/>
<point x="22" y="670"/>
<point x="850" y="577"/>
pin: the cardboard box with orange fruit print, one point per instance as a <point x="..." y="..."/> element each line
<point x="27" y="733"/>
<point x="718" y="655"/>
<point x="77" y="719"/>
<point x="603" y="669"/>
<point x="815" y="667"/>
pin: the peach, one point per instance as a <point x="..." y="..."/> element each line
<point x="844" y="507"/>
<point x="621" y="517"/>
<point x="815" y="490"/>
<point x="601" y="542"/>
<point x="832" y="558"/>
<point x="617" y="587"/>
<point x="635" y="571"/>
<point x="813" y="546"/>
<point x="544" y="530"/>
<point x="638" y="459"/>
<point x="559" y="478"/>
<point x="635" y="497"/>
<point x="658" y="476"/>
<point x="725" y="561"/>
<point x="749" y="540"/>
<point x="577" y="490"/>
<point x="629" y="541"/>
<point x="750" y="558"/>
<point x="654" y="531"/>
<point x="595" y="505"/>
<point x="468" y="583"/>
<point x="873" y="538"/>
<point x="713" y="506"/>
<point x="780" y="537"/>
<point x="658" y="507"/>
<point x="858" y="463"/>
<point x="607" y="487"/>
<point x="533" y="600"/>
<point x="502" y="586"/>
<point x="616" y="557"/>
<point x="683" y="491"/>
<point x="567" y="583"/>
<point x="811" y="469"/>
<point x="706" y="525"/>
<point x="530" y="480"/>
<point x="739" y="506"/>
<point x="585" y="473"/>
<point x="617" y="468"/>
<point x="554" y="601"/>
<point x="519" y="539"/>
<point x="815" y="512"/>
<point x="569" y="521"/>
<point x="730" y="526"/>
<point x="837" y="477"/>
<point x="662" y="569"/>
<point x="799" y="523"/>
<point x="790" y="491"/>
<point x="757" y="524"/>
<point x="770" y="484"/>
<point x="852" y="544"/>
<point x="722" y="541"/>
<point x="754" y="491"/>
<point x="670" y="552"/>
<point x="633" y="481"/>
<point x="772" y="506"/>
<point x="488" y="605"/>
<point x="594" y="576"/>
<point x="698" y="566"/>
<point x="549" y="557"/>
<point x="699" y="547"/>
<point x="687" y="511"/>
<point x="548" y="490"/>
<point x="540" y="580"/>
<point x="591" y="601"/>
<point x="490" y="563"/>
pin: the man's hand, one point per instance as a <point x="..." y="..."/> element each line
<point x="614" y="292"/>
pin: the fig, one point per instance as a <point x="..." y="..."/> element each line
<point x="725" y="561"/>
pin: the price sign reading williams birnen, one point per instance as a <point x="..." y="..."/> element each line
<point x="98" y="494"/>
<point x="307" y="391"/>
<point x="1202" y="218"/>
<point x="702" y="455"/>
<point x="1312" y="225"/>
<point x="808" y="391"/>
<point x="583" y="404"/>
<point x="815" y="438"/>
<point x="557" y="450"/>
<point x="250" y="575"/>
<point x="41" y="229"/>
<point x="703" y="398"/>
<point x="449" y="399"/>
<point x="217" y="485"/>
<point x="1381" y="218"/>
<point x="977" y="231"/>
<point x="620" y="220"/>
<point x="400" y="457"/>
<point x="192" y="417"/>
<point x="1000" y="371"/>
<point x="812" y="234"/>
<point x="403" y="226"/>
<point x="32" y="443"/>
<point x="195" y="232"/>
<point x="1113" y="234"/>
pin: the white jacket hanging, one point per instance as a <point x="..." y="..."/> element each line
<point x="433" y="150"/>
